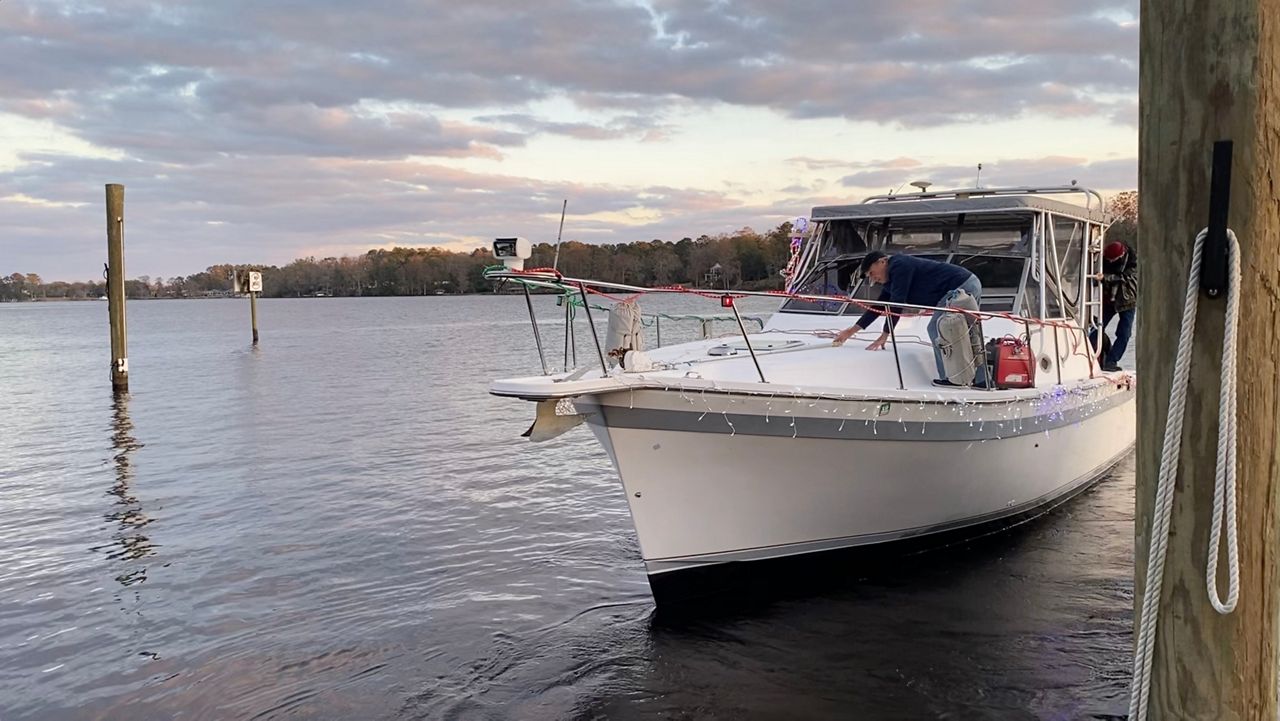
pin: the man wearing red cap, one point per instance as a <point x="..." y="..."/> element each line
<point x="1119" y="298"/>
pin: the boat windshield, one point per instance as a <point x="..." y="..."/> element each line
<point x="1001" y="277"/>
<point x="994" y="247"/>
<point x="831" y="277"/>
<point x="1005" y="235"/>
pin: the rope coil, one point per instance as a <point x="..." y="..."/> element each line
<point x="1224" y="494"/>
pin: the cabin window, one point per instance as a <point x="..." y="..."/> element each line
<point x="915" y="236"/>
<point x="867" y="292"/>
<point x="832" y="277"/>
<point x="916" y="242"/>
<point x="1013" y="240"/>
<point x="847" y="238"/>
<point x="1069" y="243"/>
<point x="1001" y="278"/>
<point x="1031" y="300"/>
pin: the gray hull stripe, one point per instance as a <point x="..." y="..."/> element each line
<point x="783" y="425"/>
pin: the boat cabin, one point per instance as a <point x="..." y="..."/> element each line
<point x="1033" y="254"/>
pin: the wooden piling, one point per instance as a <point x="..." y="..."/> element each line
<point x="1210" y="71"/>
<point x="253" y="314"/>
<point x="253" y="283"/>
<point x="115" y="288"/>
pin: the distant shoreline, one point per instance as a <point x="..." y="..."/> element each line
<point x="260" y="297"/>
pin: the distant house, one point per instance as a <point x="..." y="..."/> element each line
<point x="712" y="277"/>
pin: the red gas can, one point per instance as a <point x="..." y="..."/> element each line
<point x="1013" y="364"/>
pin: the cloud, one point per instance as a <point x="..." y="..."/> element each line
<point x="627" y="126"/>
<point x="247" y="129"/>
<point x="272" y="210"/>
<point x="930" y="62"/>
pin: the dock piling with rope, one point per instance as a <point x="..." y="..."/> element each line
<point x="1208" y="74"/>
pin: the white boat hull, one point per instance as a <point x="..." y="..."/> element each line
<point x="726" y="478"/>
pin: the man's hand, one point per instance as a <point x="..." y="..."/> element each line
<point x="878" y="343"/>
<point x="844" y="335"/>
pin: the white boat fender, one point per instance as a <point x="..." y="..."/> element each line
<point x="957" y="335"/>
<point x="625" y="333"/>
<point x="957" y="355"/>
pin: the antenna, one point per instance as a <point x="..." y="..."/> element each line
<point x="555" y="264"/>
<point x="923" y="185"/>
<point x="978" y="183"/>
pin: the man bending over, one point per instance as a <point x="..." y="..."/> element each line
<point x="915" y="281"/>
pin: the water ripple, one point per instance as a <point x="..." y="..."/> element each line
<point x="342" y="523"/>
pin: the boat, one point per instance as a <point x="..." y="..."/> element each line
<point x="778" y="443"/>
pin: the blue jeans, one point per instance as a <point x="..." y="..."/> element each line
<point x="1124" y="329"/>
<point x="973" y="287"/>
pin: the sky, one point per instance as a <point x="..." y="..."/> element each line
<point x="264" y="131"/>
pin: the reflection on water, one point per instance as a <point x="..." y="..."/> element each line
<point x="128" y="543"/>
<point x="994" y="628"/>
<point x="342" y="523"/>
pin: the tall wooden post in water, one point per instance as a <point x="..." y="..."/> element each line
<point x="1210" y="71"/>
<point x="253" y="315"/>
<point x="254" y="284"/>
<point x="115" y="288"/>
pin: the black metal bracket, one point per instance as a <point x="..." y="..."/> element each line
<point x="1213" y="264"/>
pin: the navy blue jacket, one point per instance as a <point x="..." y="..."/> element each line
<point x="918" y="281"/>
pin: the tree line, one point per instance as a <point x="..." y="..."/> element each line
<point x="743" y="259"/>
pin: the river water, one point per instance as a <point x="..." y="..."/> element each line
<point x="342" y="524"/>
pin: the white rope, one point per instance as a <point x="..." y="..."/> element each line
<point x="1224" y="486"/>
<point x="1224" y="496"/>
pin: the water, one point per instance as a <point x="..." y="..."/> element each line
<point x="342" y="523"/>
